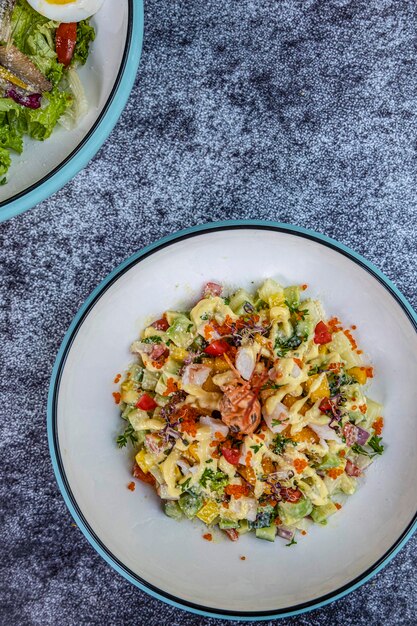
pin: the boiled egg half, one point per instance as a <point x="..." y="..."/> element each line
<point x="66" y="10"/>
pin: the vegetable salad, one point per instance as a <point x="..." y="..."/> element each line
<point x="39" y="84"/>
<point x="249" y="412"/>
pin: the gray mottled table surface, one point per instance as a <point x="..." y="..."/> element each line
<point x="301" y="111"/>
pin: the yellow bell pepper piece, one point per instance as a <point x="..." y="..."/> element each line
<point x="129" y="393"/>
<point x="178" y="354"/>
<point x="322" y="390"/>
<point x="11" y="78"/>
<point x="359" y="374"/>
<point x="208" y="512"/>
<point x="142" y="461"/>
<point x="192" y="451"/>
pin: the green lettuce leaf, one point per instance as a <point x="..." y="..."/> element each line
<point x="5" y="162"/>
<point x="34" y="35"/>
<point x="85" y="35"/>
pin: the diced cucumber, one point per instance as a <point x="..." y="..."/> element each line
<point x="173" y="510"/>
<point x="190" y="504"/>
<point x="150" y="331"/>
<point x="373" y="411"/>
<point x="268" y="532"/>
<point x="243" y="527"/>
<point x="136" y="372"/>
<point x="320" y="514"/>
<point x="161" y="400"/>
<point x="330" y="460"/>
<point x="347" y="484"/>
<point x="238" y="300"/>
<point x="290" y="512"/>
<point x="292" y="295"/>
<point x="161" y="385"/>
<point x="225" y="523"/>
<point x="149" y="380"/>
<point x="182" y="331"/>
<point x="171" y="366"/>
<point x="304" y="328"/>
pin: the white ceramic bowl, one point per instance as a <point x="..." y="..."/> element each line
<point x="107" y="77"/>
<point x="169" y="559"/>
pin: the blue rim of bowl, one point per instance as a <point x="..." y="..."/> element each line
<point x="54" y="443"/>
<point x="97" y="134"/>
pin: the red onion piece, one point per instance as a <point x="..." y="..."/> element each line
<point x="362" y="436"/>
<point x="351" y="469"/>
<point x="31" y="101"/>
<point x="285" y="532"/>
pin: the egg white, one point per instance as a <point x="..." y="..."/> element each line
<point x="74" y="11"/>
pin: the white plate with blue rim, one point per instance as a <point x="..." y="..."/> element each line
<point x="107" y="77"/>
<point x="169" y="559"/>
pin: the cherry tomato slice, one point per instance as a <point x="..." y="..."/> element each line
<point x="217" y="347"/>
<point x="65" y="40"/>
<point x="146" y="403"/>
<point x="322" y="334"/>
<point x="161" y="324"/>
<point x="232" y="455"/>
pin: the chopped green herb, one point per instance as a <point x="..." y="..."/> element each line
<point x="205" y="317"/>
<point x="128" y="435"/>
<point x="153" y="339"/>
<point x="280" y="442"/>
<point x="184" y="486"/>
<point x="209" y="461"/>
<point x="217" y="480"/>
<point x="256" y="448"/>
<point x="285" y="344"/>
<point x="292" y="542"/>
<point x="375" y="444"/>
<point x="271" y="385"/>
<point x="261" y="305"/>
<point x="226" y="301"/>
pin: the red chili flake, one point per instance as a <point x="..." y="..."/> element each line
<point x="208" y="537"/>
<point x="131" y="486"/>
<point x="117" y="378"/>
<point x="117" y="397"/>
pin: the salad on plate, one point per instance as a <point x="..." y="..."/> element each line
<point x="42" y="42"/>
<point x="250" y="412"/>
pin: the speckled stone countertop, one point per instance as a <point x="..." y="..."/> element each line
<point x="301" y="111"/>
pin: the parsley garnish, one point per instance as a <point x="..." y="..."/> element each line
<point x="217" y="480"/>
<point x="261" y="305"/>
<point x="374" y="443"/>
<point x="204" y="317"/>
<point x="3" y="181"/>
<point x="280" y="442"/>
<point x="185" y="484"/>
<point x="128" y="435"/>
<point x="153" y="339"/>
<point x="209" y="461"/>
<point x="257" y="447"/>
<point x="292" y="542"/>
<point x="226" y="301"/>
<point x="285" y="344"/>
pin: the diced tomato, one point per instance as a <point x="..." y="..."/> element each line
<point x="212" y="289"/>
<point x="322" y="333"/>
<point x="161" y="324"/>
<point x="217" y="347"/>
<point x="351" y="469"/>
<point x="146" y="403"/>
<point x="65" y="40"/>
<point x="232" y="455"/>
<point x="325" y="405"/>
<point x="290" y="495"/>
<point x="146" y="478"/>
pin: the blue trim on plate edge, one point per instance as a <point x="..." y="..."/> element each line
<point x="51" y="398"/>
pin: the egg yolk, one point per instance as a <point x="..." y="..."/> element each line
<point x="60" y="1"/>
